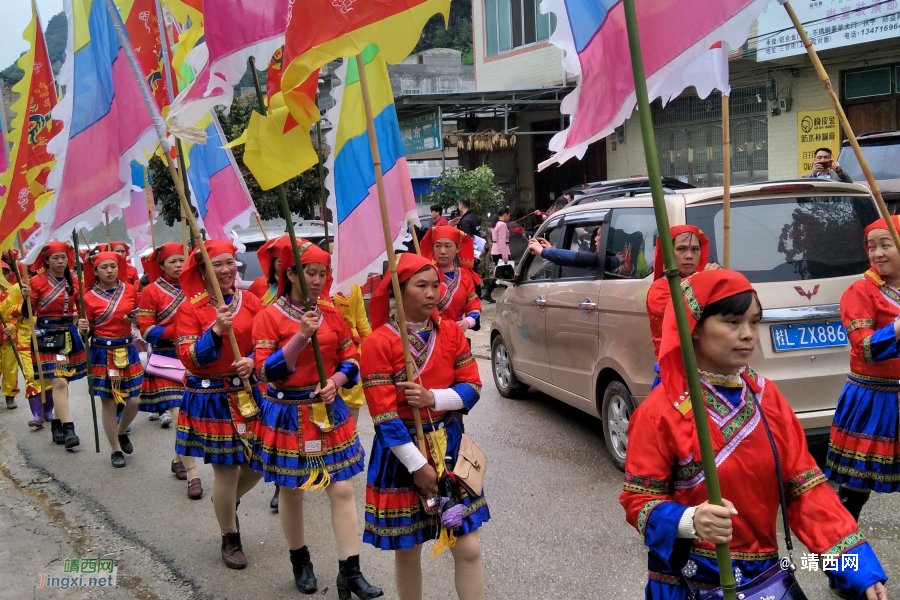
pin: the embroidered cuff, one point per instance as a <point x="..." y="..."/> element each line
<point x="447" y="400"/>
<point x="686" y="524"/>
<point x="410" y="456"/>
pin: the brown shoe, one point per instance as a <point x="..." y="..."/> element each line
<point x="195" y="490"/>
<point x="179" y="470"/>
<point x="232" y="552"/>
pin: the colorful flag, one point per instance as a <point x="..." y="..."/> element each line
<point x="595" y="41"/>
<point x="234" y="30"/>
<point x="137" y="214"/>
<point x="319" y="31"/>
<point x="278" y="147"/>
<point x="106" y="125"/>
<point x="353" y="197"/>
<point x="32" y="129"/>
<point x="218" y="189"/>
<point x="143" y="31"/>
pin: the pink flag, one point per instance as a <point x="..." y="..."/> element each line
<point x="106" y="125"/>
<point x="674" y="35"/>
<point x="137" y="214"/>
<point x="234" y="30"/>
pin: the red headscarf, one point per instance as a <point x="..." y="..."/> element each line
<point x="271" y="250"/>
<point x="698" y="291"/>
<point x="90" y="278"/>
<point x="112" y="245"/>
<point x="658" y="265"/>
<point x="380" y="304"/>
<point x="309" y="253"/>
<point x="51" y="248"/>
<point x="191" y="282"/>
<point x="465" y="243"/>
<point x="153" y="262"/>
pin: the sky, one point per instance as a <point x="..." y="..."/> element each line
<point x="16" y="14"/>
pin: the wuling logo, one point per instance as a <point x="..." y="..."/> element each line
<point x="808" y="295"/>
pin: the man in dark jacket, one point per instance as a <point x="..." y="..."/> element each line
<point x="468" y="221"/>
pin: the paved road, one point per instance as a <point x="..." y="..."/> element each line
<point x="557" y="530"/>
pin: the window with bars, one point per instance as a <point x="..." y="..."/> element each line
<point x="511" y="24"/>
<point x="689" y="137"/>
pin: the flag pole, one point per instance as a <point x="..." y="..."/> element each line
<point x="261" y="228"/>
<point x="108" y="240"/>
<point x="159" y="126"/>
<point x="320" y="152"/>
<point x="389" y="244"/>
<point x="726" y="182"/>
<point x="301" y="277"/>
<point x="149" y="208"/>
<point x="85" y="340"/>
<point x="36" y="355"/>
<point x="845" y="124"/>
<point x="415" y="237"/>
<point x="86" y="242"/>
<point x="708" y="457"/>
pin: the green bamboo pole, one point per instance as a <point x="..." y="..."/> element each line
<point x="301" y="277"/>
<point x="85" y="340"/>
<point x="708" y="457"/>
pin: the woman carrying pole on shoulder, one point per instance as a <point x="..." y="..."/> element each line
<point x="692" y="256"/>
<point x="761" y="458"/>
<point x="216" y="417"/>
<point x="160" y="302"/>
<point x="295" y="446"/>
<point x="865" y="434"/>
<point x="116" y="372"/>
<point x="63" y="358"/>
<point x="447" y="380"/>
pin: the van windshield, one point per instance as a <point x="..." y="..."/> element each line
<point x="791" y="239"/>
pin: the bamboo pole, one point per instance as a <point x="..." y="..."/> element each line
<point x="301" y="276"/>
<point x="389" y="245"/>
<point x="322" y="192"/>
<point x="845" y="124"/>
<point x="708" y="457"/>
<point x="85" y="339"/>
<point x="184" y="237"/>
<point x="87" y="244"/>
<point x="108" y="239"/>
<point x="415" y="238"/>
<point x="36" y="355"/>
<point x="176" y="180"/>
<point x="149" y="208"/>
<point x="726" y="182"/>
<point x="261" y="228"/>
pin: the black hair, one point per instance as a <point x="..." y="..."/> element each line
<point x="145" y="280"/>
<point x="737" y="304"/>
<point x="503" y="210"/>
<point x="272" y="276"/>
<point x="465" y="202"/>
<point x="559" y="204"/>
<point x="436" y="208"/>
<point x="828" y="150"/>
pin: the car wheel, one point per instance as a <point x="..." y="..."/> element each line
<point x="504" y="376"/>
<point x="618" y="406"/>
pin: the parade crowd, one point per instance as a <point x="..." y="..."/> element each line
<point x="259" y="409"/>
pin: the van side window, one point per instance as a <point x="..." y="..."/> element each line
<point x="536" y="268"/>
<point x="630" y="243"/>
<point x="583" y="244"/>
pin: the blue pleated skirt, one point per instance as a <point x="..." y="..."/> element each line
<point x="159" y="393"/>
<point x="109" y="378"/>
<point x="394" y="516"/>
<point x="279" y="447"/>
<point x="663" y="584"/>
<point x="864" y="450"/>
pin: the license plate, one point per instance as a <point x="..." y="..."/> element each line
<point x="802" y="336"/>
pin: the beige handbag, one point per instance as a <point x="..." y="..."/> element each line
<point x="470" y="468"/>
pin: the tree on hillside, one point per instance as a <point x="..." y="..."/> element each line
<point x="55" y="35"/>
<point x="302" y="191"/>
<point x="457" y="35"/>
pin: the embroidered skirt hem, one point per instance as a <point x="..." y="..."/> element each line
<point x="128" y="381"/>
<point x="211" y="427"/>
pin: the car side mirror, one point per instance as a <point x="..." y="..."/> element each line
<point x="505" y="272"/>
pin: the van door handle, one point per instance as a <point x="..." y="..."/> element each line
<point x="587" y="305"/>
<point x="540" y="301"/>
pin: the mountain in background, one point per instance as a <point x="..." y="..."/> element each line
<point x="56" y="33"/>
<point x="457" y="35"/>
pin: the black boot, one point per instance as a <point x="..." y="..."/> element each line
<point x="489" y="286"/>
<point x="853" y="500"/>
<point x="69" y="438"/>
<point x="56" y="429"/>
<point x="273" y="503"/>
<point x="350" y="579"/>
<point x="304" y="577"/>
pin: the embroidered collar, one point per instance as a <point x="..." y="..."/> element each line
<point x="59" y="286"/>
<point x="112" y="299"/>
<point x="420" y="348"/>
<point x="174" y="292"/>
<point x="234" y="305"/>
<point x="723" y="380"/>
<point x="451" y="285"/>
<point x="289" y="310"/>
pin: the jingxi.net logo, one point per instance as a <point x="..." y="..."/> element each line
<point x="81" y="572"/>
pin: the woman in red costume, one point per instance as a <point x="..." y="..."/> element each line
<point x="131" y="274"/>
<point x="110" y="306"/>
<point x="664" y="491"/>
<point x="863" y="450"/>
<point x="216" y="417"/>
<point x="160" y="302"/>
<point x="54" y="297"/>
<point x="266" y="287"/>
<point x="458" y="300"/>
<point x="447" y="380"/>
<point x="691" y="256"/>
<point x="295" y="445"/>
